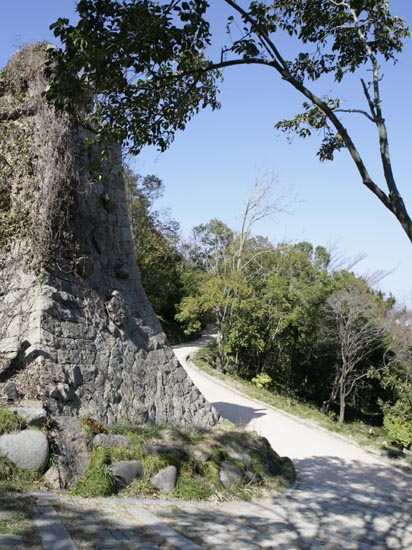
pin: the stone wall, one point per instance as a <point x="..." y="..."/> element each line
<point x="76" y="328"/>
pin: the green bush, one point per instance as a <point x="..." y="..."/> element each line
<point x="262" y="380"/>
<point x="398" y="422"/>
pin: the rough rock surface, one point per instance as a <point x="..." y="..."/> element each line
<point x="230" y="475"/>
<point x="203" y="453"/>
<point x="76" y="328"/>
<point x="53" y="479"/>
<point x="242" y="456"/>
<point x="125" y="472"/>
<point x="165" y="480"/>
<point x="28" y="449"/>
<point x="110" y="440"/>
<point x="72" y="448"/>
<point x="33" y="416"/>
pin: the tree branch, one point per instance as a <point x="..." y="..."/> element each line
<point x="359" y="111"/>
<point x="261" y="33"/>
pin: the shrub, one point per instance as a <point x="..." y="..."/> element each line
<point x="262" y="380"/>
<point x="398" y="422"/>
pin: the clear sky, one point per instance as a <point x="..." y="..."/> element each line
<point x="210" y="168"/>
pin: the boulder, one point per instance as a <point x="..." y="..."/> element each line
<point x="32" y="416"/>
<point x="241" y="456"/>
<point x="202" y="453"/>
<point x="9" y="392"/>
<point x="110" y="440"/>
<point x="165" y="480"/>
<point x="271" y="468"/>
<point x="53" y="479"/>
<point x="230" y="475"/>
<point x="254" y="479"/>
<point x="28" y="449"/>
<point x="72" y="447"/>
<point x="125" y="472"/>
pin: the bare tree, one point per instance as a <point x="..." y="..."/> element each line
<point x="357" y="322"/>
<point x="230" y="260"/>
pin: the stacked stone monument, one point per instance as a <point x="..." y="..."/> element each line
<point x="77" y="331"/>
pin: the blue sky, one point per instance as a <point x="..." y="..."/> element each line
<point x="210" y="168"/>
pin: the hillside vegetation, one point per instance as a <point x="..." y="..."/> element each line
<point x="289" y="316"/>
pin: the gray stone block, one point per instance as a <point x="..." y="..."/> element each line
<point x="28" y="449"/>
<point x="33" y="416"/>
<point x="230" y="475"/>
<point x="165" y="480"/>
<point x="125" y="472"/>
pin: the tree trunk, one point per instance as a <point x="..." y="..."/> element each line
<point x="342" y="404"/>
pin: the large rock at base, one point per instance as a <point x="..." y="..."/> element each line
<point x="165" y="480"/>
<point x="28" y="449"/>
<point x="76" y="328"/>
<point x="230" y="475"/>
<point x="72" y="448"/>
<point x="125" y="472"/>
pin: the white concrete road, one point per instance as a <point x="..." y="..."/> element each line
<point x="321" y="458"/>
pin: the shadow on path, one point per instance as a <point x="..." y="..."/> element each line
<point x="238" y="414"/>
<point x="355" y="477"/>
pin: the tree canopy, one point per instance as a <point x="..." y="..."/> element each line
<point x="145" y="67"/>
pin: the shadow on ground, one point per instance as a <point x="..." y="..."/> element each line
<point x="320" y="514"/>
<point x="355" y="477"/>
<point x="17" y="523"/>
<point x="238" y="414"/>
<point x="368" y="508"/>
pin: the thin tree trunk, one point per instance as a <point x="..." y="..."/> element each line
<point x="342" y="403"/>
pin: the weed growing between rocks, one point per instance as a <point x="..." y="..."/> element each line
<point x="14" y="479"/>
<point x="38" y="153"/>
<point x="10" y="421"/>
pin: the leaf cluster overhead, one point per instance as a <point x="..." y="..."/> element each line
<point x="146" y="65"/>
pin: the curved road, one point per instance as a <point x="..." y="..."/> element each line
<point x="338" y="481"/>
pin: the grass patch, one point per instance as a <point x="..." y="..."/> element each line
<point x="15" y="479"/>
<point x="16" y="518"/>
<point x="98" y="479"/>
<point x="10" y="421"/>
<point x="197" y="475"/>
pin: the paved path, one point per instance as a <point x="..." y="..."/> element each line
<point x="346" y="499"/>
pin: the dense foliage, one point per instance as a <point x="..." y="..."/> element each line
<point x="157" y="243"/>
<point x="286" y="318"/>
